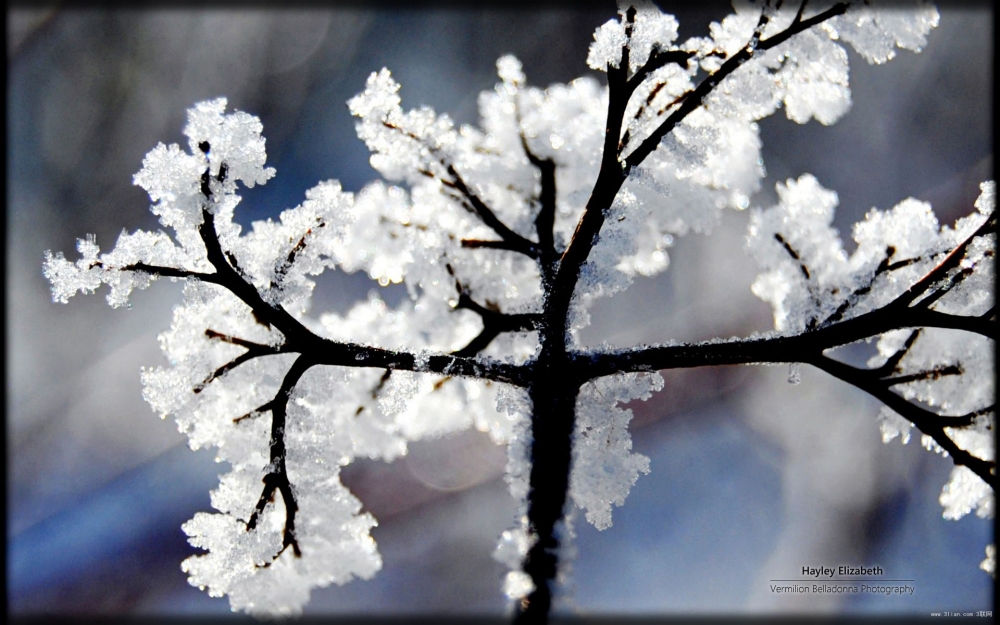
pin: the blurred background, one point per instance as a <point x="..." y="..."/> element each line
<point x="752" y="478"/>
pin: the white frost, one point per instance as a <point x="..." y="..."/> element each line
<point x="412" y="234"/>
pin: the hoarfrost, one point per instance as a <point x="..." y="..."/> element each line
<point x="965" y="492"/>
<point x="875" y="32"/>
<point x="434" y="236"/>
<point x="989" y="563"/>
<point x="604" y="467"/>
<point x="892" y="425"/>
<point x="809" y="280"/>
<point x="516" y="404"/>
<point x="517" y="585"/>
<point x="398" y="391"/>
<point x="794" y="373"/>
<point x="512" y="547"/>
<point x="607" y="47"/>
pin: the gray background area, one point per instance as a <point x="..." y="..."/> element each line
<point x="752" y="478"/>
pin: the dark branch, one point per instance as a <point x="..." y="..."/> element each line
<point x="791" y="252"/>
<point x="282" y="269"/>
<point x="801" y="347"/>
<point x="354" y="355"/>
<point x="545" y="219"/>
<point x="932" y="374"/>
<point x="553" y="417"/>
<point x="892" y="364"/>
<point x="254" y="350"/>
<point x="658" y="59"/>
<point x="798" y="14"/>
<point x="259" y="410"/>
<point x="472" y="202"/>
<point x="488" y="217"/>
<point x="951" y="261"/>
<point x="856" y="295"/>
<point x="276" y="478"/>
<point x="809" y="347"/>
<point x="930" y="423"/>
<point x="169" y="272"/>
<point x="953" y="281"/>
<point x="613" y="172"/>
<point x="759" y="29"/>
<point x="493" y="245"/>
<point x="232" y="340"/>
<point x="271" y="315"/>
<point x="494" y="321"/>
<point x="694" y="100"/>
<point x="323" y="351"/>
<point x="982" y="412"/>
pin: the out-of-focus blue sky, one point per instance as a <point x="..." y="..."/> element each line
<point x="752" y="478"/>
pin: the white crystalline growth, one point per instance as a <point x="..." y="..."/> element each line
<point x="892" y="425"/>
<point x="712" y="158"/>
<point x="69" y="278"/>
<point x="414" y="236"/>
<point x="807" y="262"/>
<point x="402" y="143"/>
<point x="650" y="29"/>
<point x="516" y="404"/>
<point x="989" y="563"/>
<point x="511" y="549"/>
<point x="510" y="70"/>
<point x="307" y="234"/>
<point x="607" y="46"/>
<point x="604" y="467"/>
<point x="173" y="179"/>
<point x="965" y="492"/>
<point x="813" y="79"/>
<point x="809" y="72"/>
<point x="330" y="419"/>
<point x="808" y="276"/>
<point x="876" y="31"/>
<point x="233" y="139"/>
<point x="92" y="270"/>
<point x="809" y="280"/>
<point x="517" y="585"/>
<point x="328" y="529"/>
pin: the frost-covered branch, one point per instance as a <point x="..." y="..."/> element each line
<point x="165" y="272"/>
<point x="952" y="261"/>
<point x="615" y="170"/>
<point x="930" y="423"/>
<point x="697" y="97"/>
<point x="509" y="240"/>
<point x="494" y="324"/>
<point x="545" y="219"/>
<point x="910" y="310"/>
<point x="605" y="178"/>
<point x="254" y="350"/>
<point x="778" y="349"/>
<point x="276" y="478"/>
<point x="323" y="351"/>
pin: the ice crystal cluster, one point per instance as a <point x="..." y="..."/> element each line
<point x="810" y="280"/>
<point x="433" y="225"/>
